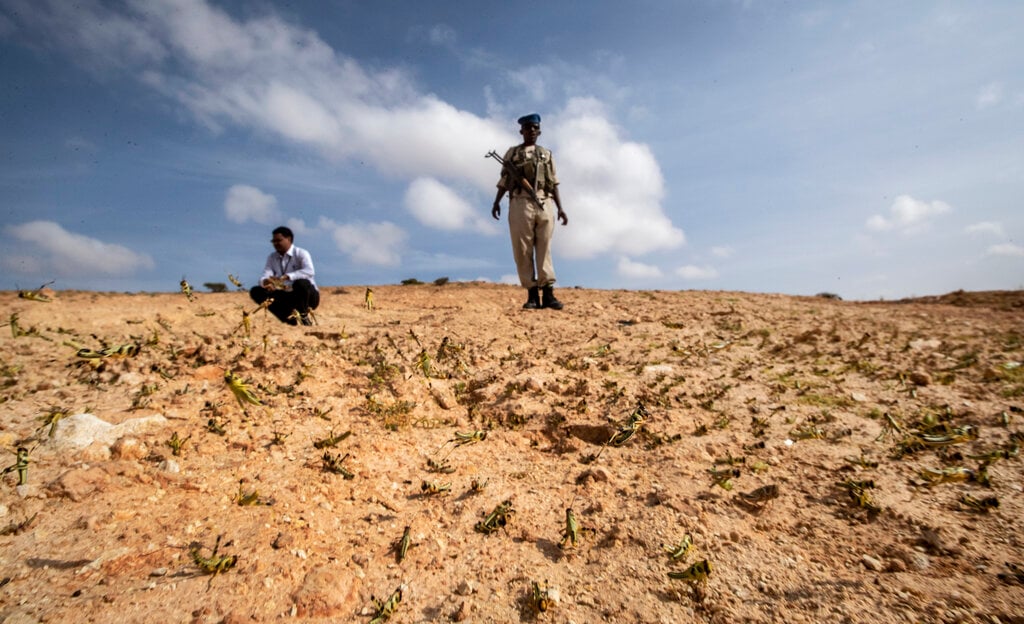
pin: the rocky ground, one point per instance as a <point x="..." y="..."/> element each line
<point x="889" y="431"/>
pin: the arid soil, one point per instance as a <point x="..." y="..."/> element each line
<point x="843" y="406"/>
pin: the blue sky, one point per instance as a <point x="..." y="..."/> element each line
<point x="870" y="149"/>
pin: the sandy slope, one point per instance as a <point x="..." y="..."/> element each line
<point x="102" y="532"/>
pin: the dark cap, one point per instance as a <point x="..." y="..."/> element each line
<point x="532" y="118"/>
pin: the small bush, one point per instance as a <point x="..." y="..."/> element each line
<point x="216" y="287"/>
<point x="441" y="281"/>
<point x="412" y="281"/>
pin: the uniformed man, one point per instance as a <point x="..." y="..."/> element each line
<point x="530" y="223"/>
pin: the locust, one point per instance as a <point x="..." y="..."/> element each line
<point x="1009" y="452"/>
<point x="241" y="390"/>
<point x="761" y="495"/>
<point x="423" y="363"/>
<point x="723" y="478"/>
<point x="729" y="460"/>
<point x="889" y="428"/>
<point x="37" y="294"/>
<point x="540" y="597"/>
<point x="177" y="444"/>
<point x="279" y="437"/>
<point x="696" y="573"/>
<point x="20" y="464"/>
<point x="17" y="528"/>
<point x="385" y="609"/>
<point x="497" y="519"/>
<point x="214" y="426"/>
<point x="983" y="505"/>
<point x="572" y="531"/>
<point x="429" y="488"/>
<point x="442" y="466"/>
<point x="404" y="544"/>
<point x="249" y="499"/>
<point x="859" y="493"/>
<point x="476" y="486"/>
<point x="213" y="564"/>
<point x="464" y="438"/>
<point x="51" y="418"/>
<point x="335" y="464"/>
<point x="681" y="549"/>
<point x="808" y="431"/>
<point x="947" y="475"/>
<point x="331" y="441"/>
<point x="861" y="461"/>
<point x="186" y="289"/>
<point x="234" y="280"/>
<point x="637" y="418"/>
<point x="368" y="299"/>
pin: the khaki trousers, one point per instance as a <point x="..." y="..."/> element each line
<point x="531" y="228"/>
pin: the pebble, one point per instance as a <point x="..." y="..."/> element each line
<point x="159" y="572"/>
<point x="871" y="563"/>
<point x="465" y="588"/>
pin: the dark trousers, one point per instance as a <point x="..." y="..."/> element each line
<point x="302" y="297"/>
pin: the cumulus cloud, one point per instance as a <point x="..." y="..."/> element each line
<point x="907" y="214"/>
<point x="282" y="81"/>
<point x="247" y="203"/>
<point x="1006" y="249"/>
<point x="692" y="272"/>
<point x="637" y="270"/>
<point x="368" y="243"/>
<point x="722" y="252"/>
<point x="986" y="227"/>
<point x="617" y="188"/>
<point x="71" y="255"/>
<point x="438" y="206"/>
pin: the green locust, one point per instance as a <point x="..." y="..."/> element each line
<point x="234" y="280"/>
<point x="214" y="426"/>
<point x="723" y="478"/>
<point x="368" y="299"/>
<point x="37" y="294"/>
<point x="858" y="491"/>
<point x="335" y="464"/>
<point x="385" y="609"/>
<point x="241" y="390"/>
<point x="331" y="441"/>
<point x="632" y="425"/>
<point x="213" y="564"/>
<point x="250" y="499"/>
<point x="186" y="289"/>
<point x="681" y="549"/>
<point x="51" y="418"/>
<point x="177" y="443"/>
<point x="808" y="431"/>
<point x="697" y="573"/>
<point x="497" y="519"/>
<point x="442" y="467"/>
<point x="404" y="544"/>
<point x="571" y="534"/>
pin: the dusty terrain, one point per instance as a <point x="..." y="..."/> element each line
<point x="804" y="393"/>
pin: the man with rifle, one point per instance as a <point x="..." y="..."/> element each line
<point x="528" y="175"/>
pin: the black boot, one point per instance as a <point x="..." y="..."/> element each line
<point x="532" y="300"/>
<point x="549" y="300"/>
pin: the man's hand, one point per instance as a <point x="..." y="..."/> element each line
<point x="563" y="217"/>
<point x="496" y="210"/>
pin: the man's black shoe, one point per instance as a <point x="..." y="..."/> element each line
<point x="549" y="300"/>
<point x="533" y="300"/>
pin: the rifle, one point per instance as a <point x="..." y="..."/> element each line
<point x="516" y="176"/>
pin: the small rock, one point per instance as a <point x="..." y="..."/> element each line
<point x="159" y="572"/>
<point x="533" y="385"/>
<point x="283" y="541"/>
<point x="170" y="466"/>
<point x="859" y="397"/>
<point x="920" y="378"/>
<point x="326" y="592"/>
<point x="871" y="563"/>
<point x="463" y="612"/>
<point x="734" y="536"/>
<point x="129" y="448"/>
<point x="79" y="483"/>
<point x="598" y="474"/>
<point x="465" y="588"/>
<point x="896" y="565"/>
<point x="918" y="561"/>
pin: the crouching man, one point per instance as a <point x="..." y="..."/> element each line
<point x="287" y="281"/>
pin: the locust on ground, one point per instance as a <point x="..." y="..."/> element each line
<point x="497" y="519"/>
<point x="696" y="573"/>
<point x="681" y="549"/>
<point x="335" y="464"/>
<point x="213" y="564"/>
<point x="386" y="608"/>
<point x="572" y="532"/>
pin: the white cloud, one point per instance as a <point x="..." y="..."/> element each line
<point x="438" y="206"/>
<point x="986" y="227"/>
<point x="722" y="251"/>
<point x="1006" y="249"/>
<point x="989" y="95"/>
<point x="638" y="270"/>
<point x="298" y="227"/>
<point x="907" y="214"/>
<point x="692" y="272"/>
<point x="510" y="279"/>
<point x="616" y="186"/>
<point x="68" y="254"/>
<point x="368" y="243"/>
<point x="247" y="203"/>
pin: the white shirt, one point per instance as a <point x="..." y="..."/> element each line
<point x="292" y="265"/>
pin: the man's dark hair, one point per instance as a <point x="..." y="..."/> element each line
<point x="284" y="231"/>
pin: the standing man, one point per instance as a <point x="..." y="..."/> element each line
<point x="288" y="280"/>
<point x="529" y="167"/>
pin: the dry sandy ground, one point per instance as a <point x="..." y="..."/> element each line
<point x="796" y="392"/>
